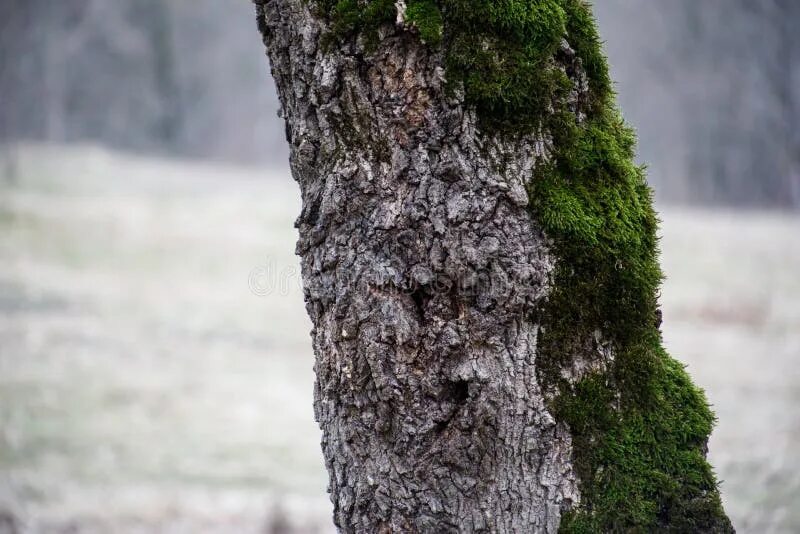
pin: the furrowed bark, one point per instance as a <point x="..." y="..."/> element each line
<point x="422" y="267"/>
<point x="480" y="265"/>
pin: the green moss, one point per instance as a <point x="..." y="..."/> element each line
<point x="640" y="426"/>
<point x="346" y="16"/>
<point x="350" y="17"/>
<point x="504" y="54"/>
<point x="426" y="17"/>
<point x="584" y="39"/>
<point x="502" y="51"/>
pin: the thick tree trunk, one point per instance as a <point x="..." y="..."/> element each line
<point x="421" y="266"/>
<point x="424" y="273"/>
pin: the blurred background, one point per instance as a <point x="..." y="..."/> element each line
<point x="155" y="365"/>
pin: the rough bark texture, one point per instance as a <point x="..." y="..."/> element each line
<point x="421" y="265"/>
<point x="427" y="278"/>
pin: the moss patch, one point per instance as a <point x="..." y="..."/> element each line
<point x="501" y="51"/>
<point x="352" y="17"/>
<point x="640" y="426"/>
<point x="426" y="17"/>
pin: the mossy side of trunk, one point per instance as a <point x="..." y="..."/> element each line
<point x="639" y="426"/>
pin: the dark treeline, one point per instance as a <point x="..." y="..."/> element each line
<point x="712" y="87"/>
<point x="182" y="77"/>
<point x="714" y="91"/>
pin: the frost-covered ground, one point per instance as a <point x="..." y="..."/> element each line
<point x="155" y="367"/>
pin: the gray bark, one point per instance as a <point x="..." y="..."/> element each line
<point x="422" y="267"/>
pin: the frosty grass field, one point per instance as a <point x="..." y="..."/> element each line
<point x="156" y="369"/>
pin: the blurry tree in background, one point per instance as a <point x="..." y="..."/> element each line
<point x="89" y="69"/>
<point x="713" y="89"/>
<point x="711" y="86"/>
<point x="749" y="50"/>
<point x="165" y="76"/>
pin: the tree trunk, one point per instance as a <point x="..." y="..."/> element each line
<point x="429" y="279"/>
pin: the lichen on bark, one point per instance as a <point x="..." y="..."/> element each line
<point x="439" y="144"/>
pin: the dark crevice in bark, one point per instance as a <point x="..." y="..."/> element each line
<point x="457" y="392"/>
<point x="421" y="297"/>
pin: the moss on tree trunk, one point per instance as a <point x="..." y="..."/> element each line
<point x="534" y="69"/>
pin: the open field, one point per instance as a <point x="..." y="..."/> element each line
<point x="155" y="363"/>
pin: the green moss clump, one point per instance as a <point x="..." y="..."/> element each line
<point x="349" y="17"/>
<point x="639" y="425"/>
<point x="426" y="17"/>
<point x="503" y="52"/>
<point x="585" y="40"/>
